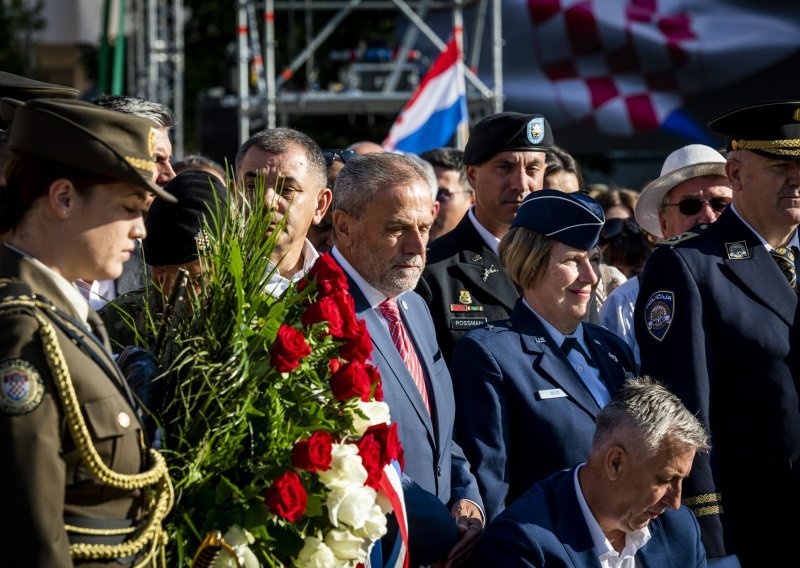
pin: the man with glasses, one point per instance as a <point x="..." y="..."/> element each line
<point x="716" y="321"/>
<point x="455" y="196"/>
<point x="692" y="190"/>
<point x="463" y="283"/>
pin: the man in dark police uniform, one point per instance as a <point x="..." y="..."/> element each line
<point x="716" y="320"/>
<point x="463" y="282"/>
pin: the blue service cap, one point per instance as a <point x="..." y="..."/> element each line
<point x="574" y="219"/>
<point x="770" y="129"/>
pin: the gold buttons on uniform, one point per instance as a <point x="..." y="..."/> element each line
<point x="123" y="419"/>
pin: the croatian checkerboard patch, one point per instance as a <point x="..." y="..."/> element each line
<point x="21" y="387"/>
<point x="658" y="311"/>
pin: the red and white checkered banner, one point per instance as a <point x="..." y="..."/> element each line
<point x="627" y="65"/>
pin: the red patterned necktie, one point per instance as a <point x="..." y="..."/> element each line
<point x="401" y="340"/>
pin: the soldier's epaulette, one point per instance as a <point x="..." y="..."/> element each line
<point x="14" y="290"/>
<point x="683" y="237"/>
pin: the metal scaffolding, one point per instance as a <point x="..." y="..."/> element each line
<point x="262" y="105"/>
<point x="156" y="60"/>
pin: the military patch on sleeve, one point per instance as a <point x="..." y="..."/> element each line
<point x="658" y="311"/>
<point x="21" y="387"/>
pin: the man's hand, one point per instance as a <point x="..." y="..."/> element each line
<point x="469" y="520"/>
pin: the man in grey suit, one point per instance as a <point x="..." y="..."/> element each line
<point x="383" y="211"/>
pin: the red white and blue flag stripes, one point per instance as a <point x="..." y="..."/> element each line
<point x="437" y="108"/>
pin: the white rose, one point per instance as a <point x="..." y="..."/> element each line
<point x="374" y="525"/>
<point x="345" y="545"/>
<point x="315" y="554"/>
<point x="346" y="468"/>
<point x="351" y="505"/>
<point x="376" y="413"/>
<point x="239" y="539"/>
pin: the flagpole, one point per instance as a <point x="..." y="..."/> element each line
<point x="462" y="131"/>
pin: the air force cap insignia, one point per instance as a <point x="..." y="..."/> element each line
<point x="658" y="312"/>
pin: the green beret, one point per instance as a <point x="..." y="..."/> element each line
<point x="23" y="89"/>
<point x="114" y="144"/>
<point x="769" y="129"/>
<point x="507" y="132"/>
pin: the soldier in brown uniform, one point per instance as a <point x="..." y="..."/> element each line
<point x="80" y="484"/>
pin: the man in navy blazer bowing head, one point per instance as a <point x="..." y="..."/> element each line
<point x="383" y="211"/>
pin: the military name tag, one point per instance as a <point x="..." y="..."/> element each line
<point x="21" y="387"/>
<point x="550" y="393"/>
<point x="467" y="323"/>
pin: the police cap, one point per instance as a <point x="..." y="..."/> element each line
<point x="507" y="132"/>
<point x="175" y="230"/>
<point x="574" y="219"/>
<point x="769" y="129"/>
<point x="23" y="89"/>
<point x="113" y="144"/>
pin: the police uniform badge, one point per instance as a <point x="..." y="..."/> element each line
<point x="534" y="130"/>
<point x="737" y="250"/>
<point x="658" y="312"/>
<point x="21" y="387"/>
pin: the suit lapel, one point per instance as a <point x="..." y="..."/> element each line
<point x="656" y="553"/>
<point x="385" y="349"/>
<point x="548" y="359"/>
<point x="481" y="267"/>
<point x="774" y="291"/>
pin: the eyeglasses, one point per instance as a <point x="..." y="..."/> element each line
<point x="446" y="195"/>
<point x="614" y="227"/>
<point x="331" y="155"/>
<point x="693" y="205"/>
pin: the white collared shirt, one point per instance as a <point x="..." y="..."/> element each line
<point x="491" y="241"/>
<point x="277" y="284"/>
<point x="76" y="300"/>
<point x="610" y="558"/>
<point x="588" y="374"/>
<point x="100" y="292"/>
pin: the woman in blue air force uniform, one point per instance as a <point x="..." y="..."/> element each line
<point x="528" y="388"/>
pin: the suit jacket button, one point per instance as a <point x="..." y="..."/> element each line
<point x="439" y="471"/>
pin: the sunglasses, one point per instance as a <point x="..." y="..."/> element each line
<point x="343" y="155"/>
<point x="614" y="227"/>
<point x="693" y="205"/>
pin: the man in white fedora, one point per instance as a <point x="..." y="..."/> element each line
<point x="692" y="190"/>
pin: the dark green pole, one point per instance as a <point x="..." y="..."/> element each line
<point x="103" y="60"/>
<point x="118" y="76"/>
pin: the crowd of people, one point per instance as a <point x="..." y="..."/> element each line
<point x="579" y="378"/>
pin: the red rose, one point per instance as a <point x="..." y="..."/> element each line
<point x="289" y="347"/>
<point x="347" y="309"/>
<point x="349" y="380"/>
<point x="325" y="310"/>
<point x="375" y="381"/>
<point x="313" y="454"/>
<point x="389" y="439"/>
<point x="328" y="275"/>
<point x="357" y="345"/>
<point x="286" y="497"/>
<point x="370" y="451"/>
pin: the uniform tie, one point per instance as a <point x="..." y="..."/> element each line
<point x="785" y="257"/>
<point x="404" y="346"/>
<point x="571" y="343"/>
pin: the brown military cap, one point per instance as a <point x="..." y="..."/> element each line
<point x="23" y="89"/>
<point x="83" y="135"/>
<point x="771" y="129"/>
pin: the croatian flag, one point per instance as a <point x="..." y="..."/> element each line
<point x="437" y="108"/>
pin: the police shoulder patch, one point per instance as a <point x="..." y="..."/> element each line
<point x="658" y="312"/>
<point x="21" y="387"/>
